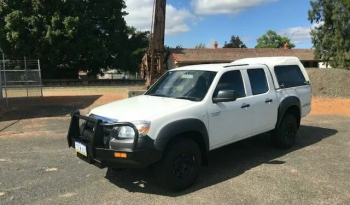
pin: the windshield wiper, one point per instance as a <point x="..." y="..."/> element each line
<point x="187" y="98"/>
<point x="159" y="95"/>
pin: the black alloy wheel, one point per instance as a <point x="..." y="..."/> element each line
<point x="180" y="165"/>
<point x="183" y="165"/>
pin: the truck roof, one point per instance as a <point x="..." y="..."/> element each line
<point x="205" y="67"/>
<point x="269" y="61"/>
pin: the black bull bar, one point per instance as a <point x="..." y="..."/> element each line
<point x="95" y="143"/>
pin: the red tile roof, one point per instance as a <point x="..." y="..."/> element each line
<point x="225" y="55"/>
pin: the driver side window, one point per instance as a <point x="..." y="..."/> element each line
<point x="231" y="80"/>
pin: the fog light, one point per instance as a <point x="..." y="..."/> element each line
<point x="120" y="155"/>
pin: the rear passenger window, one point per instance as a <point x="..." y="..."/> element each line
<point x="231" y="80"/>
<point x="258" y="81"/>
<point x="289" y="76"/>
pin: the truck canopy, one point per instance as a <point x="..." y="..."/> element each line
<point x="271" y="62"/>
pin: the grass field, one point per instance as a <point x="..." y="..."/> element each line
<point x="49" y="91"/>
<point x="21" y="92"/>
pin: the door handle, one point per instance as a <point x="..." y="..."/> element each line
<point x="268" y="100"/>
<point x="245" y="105"/>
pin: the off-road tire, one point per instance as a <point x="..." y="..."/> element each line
<point x="180" y="165"/>
<point x="284" y="136"/>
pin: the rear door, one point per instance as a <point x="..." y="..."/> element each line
<point x="263" y="99"/>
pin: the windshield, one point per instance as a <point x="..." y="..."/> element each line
<point x="183" y="84"/>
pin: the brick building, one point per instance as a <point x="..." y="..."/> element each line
<point x="182" y="57"/>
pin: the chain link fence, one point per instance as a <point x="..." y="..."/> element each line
<point x="19" y="78"/>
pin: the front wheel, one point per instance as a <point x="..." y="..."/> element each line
<point x="285" y="135"/>
<point x="180" y="165"/>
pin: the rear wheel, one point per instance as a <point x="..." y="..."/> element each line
<point x="284" y="136"/>
<point x="180" y="165"/>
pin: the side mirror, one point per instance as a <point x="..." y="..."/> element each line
<point x="225" y="96"/>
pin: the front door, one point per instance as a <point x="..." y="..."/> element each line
<point x="229" y="121"/>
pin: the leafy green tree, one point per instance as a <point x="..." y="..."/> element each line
<point x="80" y="35"/>
<point x="331" y="36"/>
<point x="272" y="40"/>
<point x="137" y="47"/>
<point x="200" y="46"/>
<point x="235" y="42"/>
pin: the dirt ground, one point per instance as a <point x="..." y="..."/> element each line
<point x="37" y="167"/>
<point x="61" y="101"/>
<point x="330" y="106"/>
<point x="330" y="82"/>
<point x="330" y="89"/>
<point x="320" y="105"/>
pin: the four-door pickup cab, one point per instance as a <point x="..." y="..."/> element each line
<point x="192" y="110"/>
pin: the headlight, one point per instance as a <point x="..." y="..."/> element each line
<point x="127" y="132"/>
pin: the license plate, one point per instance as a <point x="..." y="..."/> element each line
<point x="80" y="148"/>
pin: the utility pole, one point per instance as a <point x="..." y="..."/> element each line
<point x="152" y="62"/>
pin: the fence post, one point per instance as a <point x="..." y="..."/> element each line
<point x="41" y="85"/>
<point x="3" y="63"/>
<point x="0" y="81"/>
<point x="26" y="73"/>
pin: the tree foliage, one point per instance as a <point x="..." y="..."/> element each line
<point x="272" y="40"/>
<point x="200" y="46"/>
<point x="331" y="36"/>
<point x="137" y="46"/>
<point x="235" y="42"/>
<point x="80" y="35"/>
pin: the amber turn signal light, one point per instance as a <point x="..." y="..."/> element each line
<point x="120" y="155"/>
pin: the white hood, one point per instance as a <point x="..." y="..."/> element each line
<point x="141" y="107"/>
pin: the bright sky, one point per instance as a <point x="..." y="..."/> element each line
<point x="190" y="22"/>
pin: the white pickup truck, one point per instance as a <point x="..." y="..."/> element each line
<point x="192" y="110"/>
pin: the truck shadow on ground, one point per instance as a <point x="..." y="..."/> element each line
<point x="45" y="106"/>
<point x="225" y="163"/>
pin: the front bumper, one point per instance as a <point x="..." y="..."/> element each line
<point x="91" y="148"/>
